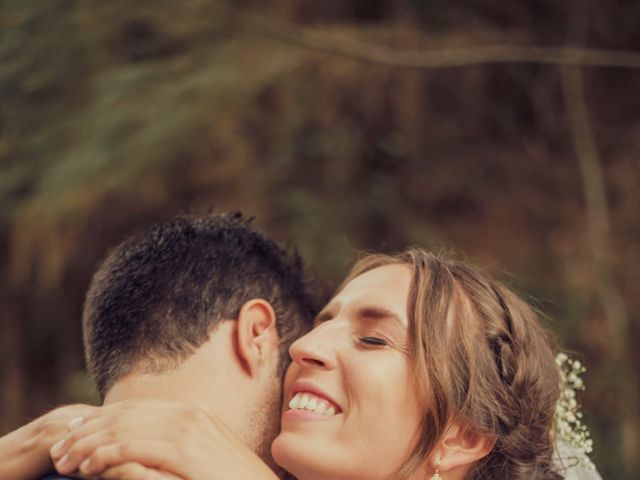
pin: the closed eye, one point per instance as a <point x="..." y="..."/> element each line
<point x="374" y="341"/>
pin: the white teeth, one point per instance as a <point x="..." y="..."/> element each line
<point x="313" y="403"/>
<point x="321" y="408"/>
<point x="307" y="401"/>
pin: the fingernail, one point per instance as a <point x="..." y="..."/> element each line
<point x="60" y="465"/>
<point x="84" y="466"/>
<point x="56" y="450"/>
<point x="75" y="423"/>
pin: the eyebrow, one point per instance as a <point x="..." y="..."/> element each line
<point x="379" y="313"/>
<point x="367" y="313"/>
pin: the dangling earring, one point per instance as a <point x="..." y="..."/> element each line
<point x="436" y="475"/>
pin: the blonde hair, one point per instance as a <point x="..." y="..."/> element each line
<point x="482" y="358"/>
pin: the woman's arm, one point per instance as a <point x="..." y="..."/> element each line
<point x="24" y="453"/>
<point x="183" y="440"/>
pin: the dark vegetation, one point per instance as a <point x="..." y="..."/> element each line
<point x="116" y="114"/>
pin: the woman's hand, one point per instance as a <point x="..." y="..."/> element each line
<point x="135" y="471"/>
<point x="178" y="439"/>
<point x="24" y="453"/>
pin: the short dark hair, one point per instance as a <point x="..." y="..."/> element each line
<point x="157" y="296"/>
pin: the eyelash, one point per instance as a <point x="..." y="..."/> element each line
<point x="367" y="340"/>
<point x="373" y="341"/>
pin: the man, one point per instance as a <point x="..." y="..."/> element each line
<point x="197" y="310"/>
<point x="190" y="311"/>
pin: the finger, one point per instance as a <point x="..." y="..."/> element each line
<point x="154" y="455"/>
<point x="72" y="415"/>
<point x="101" y="433"/>
<point x="78" y="447"/>
<point x="55" y="423"/>
<point x="126" y="471"/>
<point x="139" y="406"/>
<point x="124" y="422"/>
<point x="135" y="471"/>
<point x="72" y="410"/>
<point x="80" y="432"/>
<point x="114" y="424"/>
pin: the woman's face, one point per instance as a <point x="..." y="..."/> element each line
<point x="350" y="404"/>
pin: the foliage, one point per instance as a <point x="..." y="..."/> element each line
<point x="116" y="114"/>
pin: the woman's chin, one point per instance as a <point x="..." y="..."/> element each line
<point x="303" y="458"/>
<point x="289" y="451"/>
<point x="309" y="458"/>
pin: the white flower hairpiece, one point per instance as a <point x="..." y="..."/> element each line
<point x="568" y="417"/>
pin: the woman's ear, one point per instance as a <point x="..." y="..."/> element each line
<point x="459" y="448"/>
<point x="257" y="336"/>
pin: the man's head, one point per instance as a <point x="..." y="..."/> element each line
<point x="198" y="307"/>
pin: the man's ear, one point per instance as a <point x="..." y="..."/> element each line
<point x="459" y="447"/>
<point x="257" y="335"/>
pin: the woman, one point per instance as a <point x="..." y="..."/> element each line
<point x="467" y="367"/>
<point x="418" y="368"/>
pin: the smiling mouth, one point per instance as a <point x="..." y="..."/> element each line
<point x="313" y="403"/>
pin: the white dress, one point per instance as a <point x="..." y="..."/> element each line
<point x="571" y="464"/>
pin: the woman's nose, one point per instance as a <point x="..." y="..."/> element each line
<point x="316" y="349"/>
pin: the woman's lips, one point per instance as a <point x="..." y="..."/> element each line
<point x="307" y="397"/>
<point x="296" y="414"/>
<point x="309" y="402"/>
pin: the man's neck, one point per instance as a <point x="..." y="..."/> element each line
<point x="211" y="376"/>
<point x="168" y="387"/>
<point x="159" y="386"/>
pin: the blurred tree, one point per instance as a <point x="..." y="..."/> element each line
<point x="117" y="114"/>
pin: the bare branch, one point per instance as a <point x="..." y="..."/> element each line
<point x="599" y="233"/>
<point x="597" y="208"/>
<point x="438" y="58"/>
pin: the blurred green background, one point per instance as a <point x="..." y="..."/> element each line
<point x="329" y="123"/>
